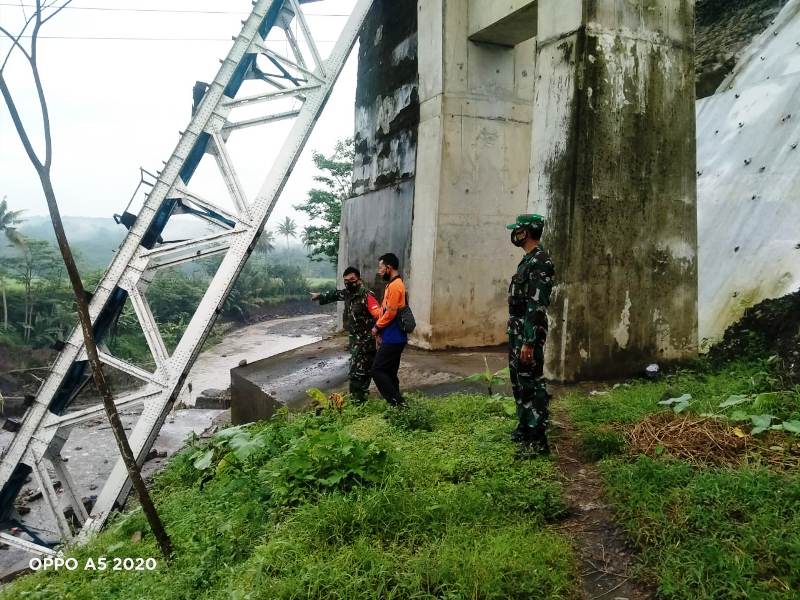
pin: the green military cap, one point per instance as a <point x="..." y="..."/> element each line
<point x="534" y="221"/>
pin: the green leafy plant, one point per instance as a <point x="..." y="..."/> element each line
<point x="791" y="426"/>
<point x="321" y="400"/>
<point x="322" y="461"/>
<point x="679" y="404"/>
<point x="763" y="421"/>
<point x="488" y="378"/>
<point x="735" y="400"/>
<point x="227" y="450"/>
<point x="760" y="423"/>
<point x="502" y="405"/>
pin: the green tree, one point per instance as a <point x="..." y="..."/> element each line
<point x="266" y="244"/>
<point x="288" y="229"/>
<point x="37" y="268"/>
<point x="324" y="204"/>
<point x="9" y="219"/>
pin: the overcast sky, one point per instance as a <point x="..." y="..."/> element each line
<point x="119" y="104"/>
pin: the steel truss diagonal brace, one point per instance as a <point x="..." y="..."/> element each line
<point x="144" y="251"/>
<point x="144" y="434"/>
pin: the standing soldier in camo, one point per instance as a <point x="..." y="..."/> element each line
<point x="361" y="309"/>
<point x="528" y="298"/>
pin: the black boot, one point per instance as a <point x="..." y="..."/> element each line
<point x="541" y="446"/>
<point x="538" y="439"/>
<point x="533" y="443"/>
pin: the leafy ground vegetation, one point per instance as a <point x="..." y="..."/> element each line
<point x="359" y="504"/>
<point x="701" y="469"/>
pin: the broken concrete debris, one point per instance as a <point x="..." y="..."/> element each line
<point x="214" y="399"/>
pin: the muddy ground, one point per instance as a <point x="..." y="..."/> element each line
<point x="768" y="329"/>
<point x="606" y="555"/>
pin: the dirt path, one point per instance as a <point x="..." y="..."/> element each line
<point x="605" y="555"/>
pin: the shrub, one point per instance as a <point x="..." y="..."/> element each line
<point x="323" y="461"/>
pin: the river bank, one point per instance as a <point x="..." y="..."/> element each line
<point x="91" y="451"/>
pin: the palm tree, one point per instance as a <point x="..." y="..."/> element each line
<point x="9" y="219"/>
<point x="305" y="239"/>
<point x="288" y="229"/>
<point x="266" y="244"/>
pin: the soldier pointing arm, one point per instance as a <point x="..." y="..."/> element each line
<point x="360" y="308"/>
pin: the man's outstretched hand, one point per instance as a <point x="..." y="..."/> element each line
<point x="314" y="296"/>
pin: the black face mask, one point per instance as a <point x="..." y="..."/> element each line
<point x="351" y="286"/>
<point x="516" y="239"/>
<point x="387" y="276"/>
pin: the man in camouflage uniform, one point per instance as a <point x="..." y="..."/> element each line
<point x="528" y="298"/>
<point x="361" y="308"/>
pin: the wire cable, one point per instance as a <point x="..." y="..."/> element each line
<point x="152" y="39"/>
<point x="162" y="10"/>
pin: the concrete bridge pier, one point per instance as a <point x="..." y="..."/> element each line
<point x="613" y="170"/>
<point x="472" y="172"/>
<point x="470" y="112"/>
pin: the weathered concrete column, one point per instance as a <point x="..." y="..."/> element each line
<point x="613" y="169"/>
<point x="472" y="172"/>
<point x="377" y="219"/>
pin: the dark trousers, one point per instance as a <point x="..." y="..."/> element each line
<point x="384" y="372"/>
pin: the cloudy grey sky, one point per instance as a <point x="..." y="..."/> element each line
<point x="117" y="103"/>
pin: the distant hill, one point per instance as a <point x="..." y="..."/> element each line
<point x="95" y="239"/>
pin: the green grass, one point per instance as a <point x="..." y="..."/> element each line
<point x="630" y="402"/>
<point x="710" y="533"/>
<point x="704" y="533"/>
<point x="346" y="506"/>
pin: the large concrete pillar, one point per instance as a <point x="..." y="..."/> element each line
<point x="613" y="170"/>
<point x="472" y="172"/>
<point x="377" y="219"/>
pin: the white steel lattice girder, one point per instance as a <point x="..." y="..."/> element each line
<point x="133" y="266"/>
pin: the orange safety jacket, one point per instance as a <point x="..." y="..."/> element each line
<point x="394" y="298"/>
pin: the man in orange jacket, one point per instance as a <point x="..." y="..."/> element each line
<point x="392" y="339"/>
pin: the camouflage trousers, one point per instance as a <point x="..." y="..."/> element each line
<point x="362" y="355"/>
<point x="530" y="390"/>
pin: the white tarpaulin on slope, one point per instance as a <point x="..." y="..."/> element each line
<point x="748" y="186"/>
